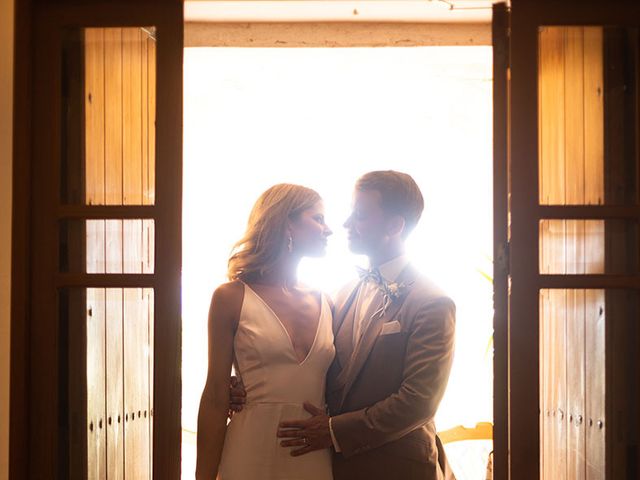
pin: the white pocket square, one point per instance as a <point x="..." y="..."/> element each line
<point x="390" y="327"/>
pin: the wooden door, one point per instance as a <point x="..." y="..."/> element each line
<point x="571" y="224"/>
<point x="105" y="248"/>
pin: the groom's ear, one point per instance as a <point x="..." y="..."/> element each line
<point x="395" y="225"/>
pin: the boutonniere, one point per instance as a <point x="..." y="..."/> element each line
<point x="391" y="292"/>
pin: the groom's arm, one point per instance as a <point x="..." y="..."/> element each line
<point x="427" y="364"/>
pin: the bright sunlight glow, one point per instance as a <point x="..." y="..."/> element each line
<point x="321" y="117"/>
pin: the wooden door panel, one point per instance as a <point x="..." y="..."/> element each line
<point x="132" y="254"/>
<point x="148" y="246"/>
<point x="594" y="246"/>
<point x="149" y="294"/>
<point x="95" y="374"/>
<point x="576" y="468"/>
<point x="136" y="384"/>
<point x="113" y="86"/>
<point x="558" y="375"/>
<point x="546" y="401"/>
<point x="575" y="242"/>
<point x="115" y="384"/>
<point x="595" y="362"/>
<point x="120" y="116"/>
<point x="94" y="101"/>
<point x="574" y="100"/>
<point x="551" y="120"/>
<point x="144" y="117"/>
<point x="132" y="116"/>
<point x="553" y="246"/>
<point x="571" y="116"/>
<point x="149" y="189"/>
<point x="593" y="117"/>
<point x="114" y="245"/>
<point x="95" y="246"/>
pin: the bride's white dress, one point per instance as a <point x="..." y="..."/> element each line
<point x="277" y="384"/>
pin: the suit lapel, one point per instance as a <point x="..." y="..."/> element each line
<point x="343" y="327"/>
<point x="344" y="338"/>
<point x="344" y="309"/>
<point x="358" y="358"/>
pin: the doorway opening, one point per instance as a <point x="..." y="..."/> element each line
<point x="321" y="117"/>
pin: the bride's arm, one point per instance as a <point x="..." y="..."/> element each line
<point x="214" y="404"/>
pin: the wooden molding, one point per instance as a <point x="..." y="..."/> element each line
<point x="310" y="34"/>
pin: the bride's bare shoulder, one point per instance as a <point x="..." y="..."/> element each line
<point x="233" y="287"/>
<point x="228" y="296"/>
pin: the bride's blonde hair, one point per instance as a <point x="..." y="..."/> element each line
<point x="265" y="240"/>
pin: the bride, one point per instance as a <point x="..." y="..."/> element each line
<point x="277" y="334"/>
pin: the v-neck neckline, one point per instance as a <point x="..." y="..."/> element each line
<point x="286" y="332"/>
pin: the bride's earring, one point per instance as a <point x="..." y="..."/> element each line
<point x="290" y="244"/>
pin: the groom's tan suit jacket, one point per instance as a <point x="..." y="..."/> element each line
<point x="383" y="396"/>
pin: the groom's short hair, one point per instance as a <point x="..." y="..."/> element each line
<point x="399" y="194"/>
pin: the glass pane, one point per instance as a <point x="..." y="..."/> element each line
<point x="587" y="338"/>
<point x="587" y="122"/>
<point x="106" y="382"/>
<point x="588" y="247"/>
<point x="108" y="144"/>
<point x="107" y="246"/>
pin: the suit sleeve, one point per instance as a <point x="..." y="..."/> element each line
<point x="427" y="364"/>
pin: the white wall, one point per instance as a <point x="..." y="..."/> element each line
<point x="6" y="133"/>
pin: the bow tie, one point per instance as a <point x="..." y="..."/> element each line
<point x="371" y="274"/>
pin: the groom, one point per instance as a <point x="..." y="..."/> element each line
<point x="394" y="337"/>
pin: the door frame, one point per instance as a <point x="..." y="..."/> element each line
<point x="33" y="455"/>
<point x="500" y="40"/>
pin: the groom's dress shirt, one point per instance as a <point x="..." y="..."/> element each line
<point x="368" y="293"/>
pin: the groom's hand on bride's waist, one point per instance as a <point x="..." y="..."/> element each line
<point x="237" y="396"/>
<point x="309" y="434"/>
